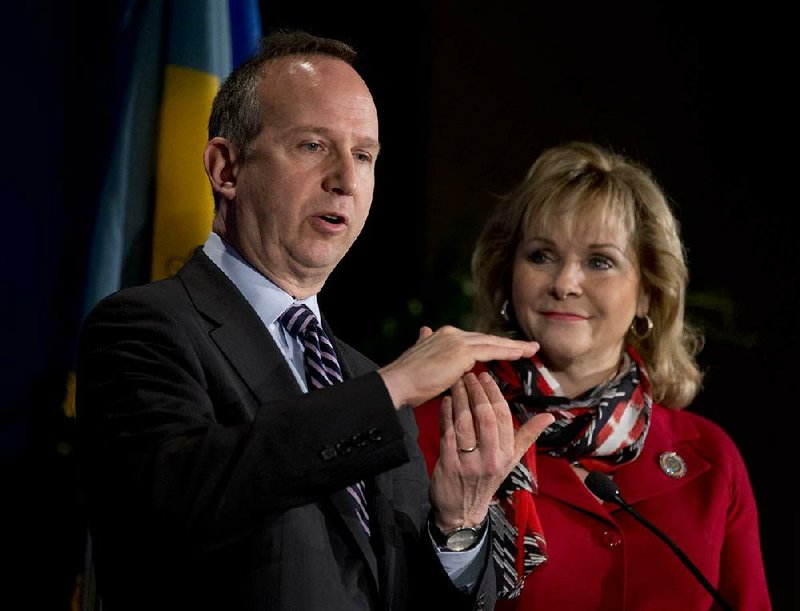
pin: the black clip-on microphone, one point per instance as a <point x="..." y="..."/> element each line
<point x="604" y="488"/>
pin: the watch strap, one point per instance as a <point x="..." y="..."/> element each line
<point x="442" y="538"/>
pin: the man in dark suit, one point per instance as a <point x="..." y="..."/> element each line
<point x="213" y="478"/>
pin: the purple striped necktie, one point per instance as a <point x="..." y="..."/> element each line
<point x="322" y="369"/>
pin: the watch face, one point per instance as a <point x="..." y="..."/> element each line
<point x="461" y="539"/>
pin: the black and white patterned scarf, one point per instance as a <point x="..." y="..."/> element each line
<point x="601" y="429"/>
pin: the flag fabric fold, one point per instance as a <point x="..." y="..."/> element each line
<point x="156" y="204"/>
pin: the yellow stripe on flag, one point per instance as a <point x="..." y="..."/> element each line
<point x="184" y="206"/>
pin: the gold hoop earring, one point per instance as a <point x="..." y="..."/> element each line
<point x="504" y="311"/>
<point x="635" y="325"/>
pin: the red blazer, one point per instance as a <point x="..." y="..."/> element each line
<point x="601" y="558"/>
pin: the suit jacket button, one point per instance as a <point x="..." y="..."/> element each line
<point x="328" y="453"/>
<point x="375" y="434"/>
<point x="359" y="440"/>
<point x="343" y="448"/>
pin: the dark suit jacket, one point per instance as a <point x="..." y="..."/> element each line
<point x="212" y="482"/>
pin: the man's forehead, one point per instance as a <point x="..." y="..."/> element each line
<point x="311" y="71"/>
<point x="319" y="91"/>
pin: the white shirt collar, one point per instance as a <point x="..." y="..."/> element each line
<point x="267" y="298"/>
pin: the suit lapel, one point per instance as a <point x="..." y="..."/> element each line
<point x="645" y="478"/>
<point x="642" y="479"/>
<point x="557" y="479"/>
<point x="241" y="336"/>
<point x="238" y="332"/>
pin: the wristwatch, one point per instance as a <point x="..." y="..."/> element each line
<point x="459" y="539"/>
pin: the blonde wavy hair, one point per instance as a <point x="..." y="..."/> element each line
<point x="564" y="185"/>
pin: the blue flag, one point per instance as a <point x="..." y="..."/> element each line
<point x="156" y="205"/>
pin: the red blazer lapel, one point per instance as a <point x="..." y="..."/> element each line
<point x="646" y="477"/>
<point x="558" y="480"/>
<point x="642" y="479"/>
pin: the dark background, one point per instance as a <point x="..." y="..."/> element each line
<point x="468" y="94"/>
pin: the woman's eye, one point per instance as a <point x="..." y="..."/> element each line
<point x="602" y="263"/>
<point x="539" y="256"/>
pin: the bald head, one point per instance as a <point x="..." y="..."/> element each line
<point x="236" y="113"/>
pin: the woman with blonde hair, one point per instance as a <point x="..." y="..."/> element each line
<point x="584" y="256"/>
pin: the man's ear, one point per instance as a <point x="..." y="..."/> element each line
<point x="219" y="158"/>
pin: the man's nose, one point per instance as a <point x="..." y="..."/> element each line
<point x="342" y="177"/>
